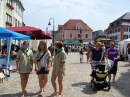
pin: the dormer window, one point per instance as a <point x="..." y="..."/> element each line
<point x="117" y="23"/>
<point x="111" y="25"/>
<point x="78" y="26"/>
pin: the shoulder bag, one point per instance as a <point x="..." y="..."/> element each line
<point x="41" y="57"/>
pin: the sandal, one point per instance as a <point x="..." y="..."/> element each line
<point x="25" y="92"/>
<point x="113" y="81"/>
<point x="54" y="94"/>
<point x="60" y="96"/>
<point x="41" y="93"/>
<point x="22" y="95"/>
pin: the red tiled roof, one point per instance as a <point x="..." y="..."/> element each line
<point x="71" y="25"/>
<point x="60" y="26"/>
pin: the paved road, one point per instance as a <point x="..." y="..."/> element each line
<point x="76" y="82"/>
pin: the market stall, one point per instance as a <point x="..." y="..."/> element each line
<point x="9" y="35"/>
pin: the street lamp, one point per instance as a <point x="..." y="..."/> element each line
<point x="80" y="35"/>
<point x="53" y="29"/>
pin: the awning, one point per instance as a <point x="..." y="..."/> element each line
<point x="5" y="33"/>
<point x="34" y="33"/>
<point x="68" y="42"/>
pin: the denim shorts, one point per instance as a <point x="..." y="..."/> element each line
<point x="42" y="71"/>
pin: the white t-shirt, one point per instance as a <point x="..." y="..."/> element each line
<point x="43" y="61"/>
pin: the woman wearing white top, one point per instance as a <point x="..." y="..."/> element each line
<point x="42" y="63"/>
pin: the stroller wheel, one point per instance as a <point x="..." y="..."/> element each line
<point x="93" y="86"/>
<point x="91" y="83"/>
<point x="108" y="86"/>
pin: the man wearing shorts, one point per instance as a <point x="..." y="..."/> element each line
<point x="113" y="54"/>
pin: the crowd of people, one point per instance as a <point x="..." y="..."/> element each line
<point x="73" y="48"/>
<point x="57" y="54"/>
<point x="96" y="54"/>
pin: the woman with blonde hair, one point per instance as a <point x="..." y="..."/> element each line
<point x="96" y="55"/>
<point x="24" y="61"/>
<point x="42" y="65"/>
<point x="58" y="68"/>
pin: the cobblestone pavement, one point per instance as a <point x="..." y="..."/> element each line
<point x="76" y="82"/>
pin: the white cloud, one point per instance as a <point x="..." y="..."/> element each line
<point x="38" y="12"/>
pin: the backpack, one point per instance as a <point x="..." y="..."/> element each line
<point x="81" y="51"/>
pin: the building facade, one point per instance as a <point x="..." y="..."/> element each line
<point x="119" y="29"/>
<point x="11" y="12"/>
<point x="95" y="34"/>
<point x="74" y="30"/>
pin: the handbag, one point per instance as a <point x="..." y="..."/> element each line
<point x="41" y="57"/>
<point x="110" y="64"/>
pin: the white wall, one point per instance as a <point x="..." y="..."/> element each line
<point x="18" y="13"/>
<point x="1" y="13"/>
<point x="34" y="43"/>
<point x="115" y="34"/>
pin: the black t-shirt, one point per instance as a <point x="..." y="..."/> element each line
<point x="96" y="55"/>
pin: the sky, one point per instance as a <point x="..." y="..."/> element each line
<point x="97" y="14"/>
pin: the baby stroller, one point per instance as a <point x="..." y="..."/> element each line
<point x="98" y="80"/>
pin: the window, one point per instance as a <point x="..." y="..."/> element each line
<point x="15" y="7"/>
<point x="86" y="36"/>
<point x="112" y="37"/>
<point x="117" y="23"/>
<point x="61" y="35"/>
<point x="9" y="1"/>
<point x="118" y="29"/>
<point x="125" y="36"/>
<point x="78" y="35"/>
<point x="18" y="23"/>
<point x="126" y="29"/>
<point x="19" y="10"/>
<point x="21" y="13"/>
<point x="108" y="32"/>
<point x="115" y="37"/>
<point x="8" y="18"/>
<point x="129" y="36"/>
<point x="129" y="29"/>
<point x="15" y="22"/>
<point x="70" y="35"/>
<point x="115" y="30"/>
